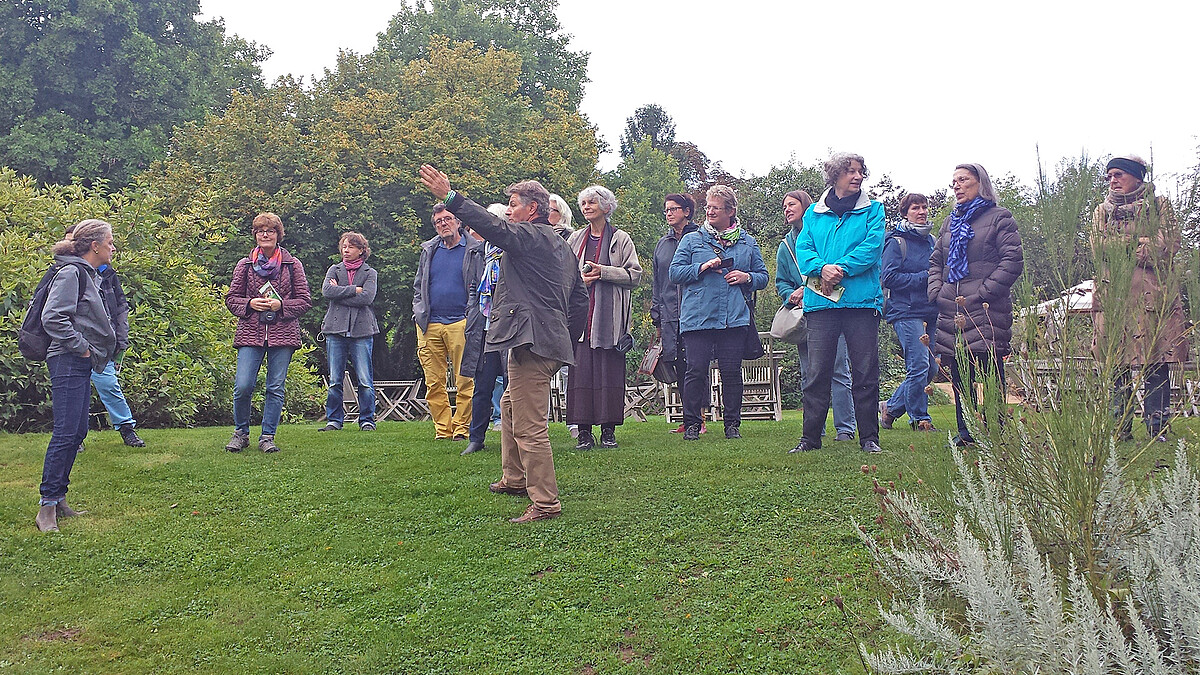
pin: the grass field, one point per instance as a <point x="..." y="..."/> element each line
<point x="385" y="553"/>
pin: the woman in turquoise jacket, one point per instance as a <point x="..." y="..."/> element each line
<point x="839" y="251"/>
<point x="718" y="269"/>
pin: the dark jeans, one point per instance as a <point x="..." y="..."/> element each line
<point x="70" y="393"/>
<point x="486" y="374"/>
<point x="358" y="350"/>
<point x="1157" y="400"/>
<point x="701" y="345"/>
<point x="978" y="364"/>
<point x="860" y="327"/>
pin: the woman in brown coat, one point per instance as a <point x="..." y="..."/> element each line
<point x="974" y="265"/>
<point x="1136" y="231"/>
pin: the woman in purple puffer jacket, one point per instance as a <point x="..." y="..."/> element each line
<point x="268" y="293"/>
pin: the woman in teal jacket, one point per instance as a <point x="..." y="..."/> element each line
<point x="718" y="268"/>
<point x="839" y="251"/>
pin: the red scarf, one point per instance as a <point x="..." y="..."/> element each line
<point x="352" y="267"/>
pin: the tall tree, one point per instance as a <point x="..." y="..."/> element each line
<point x="330" y="161"/>
<point x="92" y="88"/>
<point x="528" y="28"/>
<point x="648" y="122"/>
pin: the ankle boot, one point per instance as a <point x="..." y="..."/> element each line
<point x="130" y="437"/>
<point x="47" y="518"/>
<point x="65" y="511"/>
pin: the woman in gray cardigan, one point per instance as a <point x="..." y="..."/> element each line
<point x="609" y="266"/>
<point x="349" y="329"/>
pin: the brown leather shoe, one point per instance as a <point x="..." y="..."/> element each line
<point x="925" y="425"/>
<point x="531" y="514"/>
<point x="502" y="488"/>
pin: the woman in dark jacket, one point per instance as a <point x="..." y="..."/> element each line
<point x="974" y="265"/>
<point x="82" y="341"/>
<point x="718" y="269"/>
<point x="349" y="329"/>
<point x="268" y="293"/>
<point x="905" y="277"/>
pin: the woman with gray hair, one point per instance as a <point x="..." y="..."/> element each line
<point x="974" y="265"/>
<point x="610" y="268"/>
<point x="82" y="341"/>
<point x="560" y="215"/>
<point x="838" y="251"/>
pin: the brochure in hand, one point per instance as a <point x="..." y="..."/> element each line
<point x="268" y="291"/>
<point x="814" y="285"/>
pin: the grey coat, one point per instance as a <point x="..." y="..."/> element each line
<point x="472" y="269"/>
<point x="350" y="312"/>
<point x="541" y="301"/>
<point x="611" y="309"/>
<point x="117" y="305"/>
<point x="77" y="325"/>
<point x="476" y="329"/>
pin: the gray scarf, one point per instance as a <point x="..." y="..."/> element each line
<point x="922" y="230"/>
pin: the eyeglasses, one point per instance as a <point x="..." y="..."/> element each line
<point x="671" y="209"/>
<point x="966" y="180"/>
<point x="270" y="231"/>
<point x="554" y="210"/>
<point x="448" y="220"/>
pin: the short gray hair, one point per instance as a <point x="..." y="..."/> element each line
<point x="564" y="210"/>
<point x="726" y="194"/>
<point x="531" y="191"/>
<point x="602" y="195"/>
<point x="838" y="164"/>
<point x="82" y="235"/>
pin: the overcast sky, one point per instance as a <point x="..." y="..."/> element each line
<point x="914" y="87"/>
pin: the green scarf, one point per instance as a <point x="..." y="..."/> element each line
<point x="727" y="238"/>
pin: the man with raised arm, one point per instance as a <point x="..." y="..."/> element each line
<point x="538" y="314"/>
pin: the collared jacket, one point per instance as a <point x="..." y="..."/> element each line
<point x="540" y="302"/>
<point x="709" y="302"/>
<point x="611" y="310"/>
<point x="350" y="313"/>
<point x="117" y="305"/>
<point x="787" y="276"/>
<point x="666" y="294"/>
<point x="907" y="277"/>
<point x="472" y="270"/>
<point x="292" y="287"/>
<point x="76" y="325"/>
<point x="995" y="262"/>
<point x="853" y="242"/>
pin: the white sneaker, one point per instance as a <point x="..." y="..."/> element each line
<point x="496" y="426"/>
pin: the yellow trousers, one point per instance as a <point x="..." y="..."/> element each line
<point x="438" y="348"/>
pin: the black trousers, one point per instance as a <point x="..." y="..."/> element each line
<point x="861" y="329"/>
<point x="978" y="364"/>
<point x="1157" y="388"/>
<point x="486" y="372"/>
<point x="700" y="348"/>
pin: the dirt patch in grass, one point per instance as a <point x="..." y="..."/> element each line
<point x="58" y="635"/>
<point x="588" y="669"/>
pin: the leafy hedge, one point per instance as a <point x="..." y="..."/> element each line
<point x="180" y="364"/>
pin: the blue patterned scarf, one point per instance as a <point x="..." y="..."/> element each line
<point x="961" y="234"/>
<point x="491" y="277"/>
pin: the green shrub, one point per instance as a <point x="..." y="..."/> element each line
<point x="180" y="364"/>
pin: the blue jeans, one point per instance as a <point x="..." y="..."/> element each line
<point x="110" y="395"/>
<point x="70" y="394"/>
<point x="919" y="368"/>
<point x="249" y="361"/>
<point x="497" y="394"/>
<point x="843" y="401"/>
<point x="358" y="350"/>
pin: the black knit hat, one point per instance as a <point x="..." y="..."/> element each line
<point x="1130" y="164"/>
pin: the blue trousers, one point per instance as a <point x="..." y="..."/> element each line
<point x="249" y="361"/>
<point x="70" y="394"/>
<point x="109" y="389"/>
<point x="919" y="367"/>
<point x="843" y="401"/>
<point x="358" y="351"/>
<point x="487" y="374"/>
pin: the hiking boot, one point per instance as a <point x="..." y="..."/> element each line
<point x="804" y="446"/>
<point x="586" y="440"/>
<point x="267" y="444"/>
<point x="885" y="420"/>
<point x="872" y="447"/>
<point x="692" y="432"/>
<point x="732" y="431"/>
<point x="47" y="518"/>
<point x="238" y="442"/>
<point x="925" y="425"/>
<point x="844" y="436"/>
<point x="130" y="436"/>
<point x="608" y="437"/>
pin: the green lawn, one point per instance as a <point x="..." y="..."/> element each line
<point x="385" y="552"/>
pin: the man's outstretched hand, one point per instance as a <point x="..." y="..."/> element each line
<point x="435" y="181"/>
